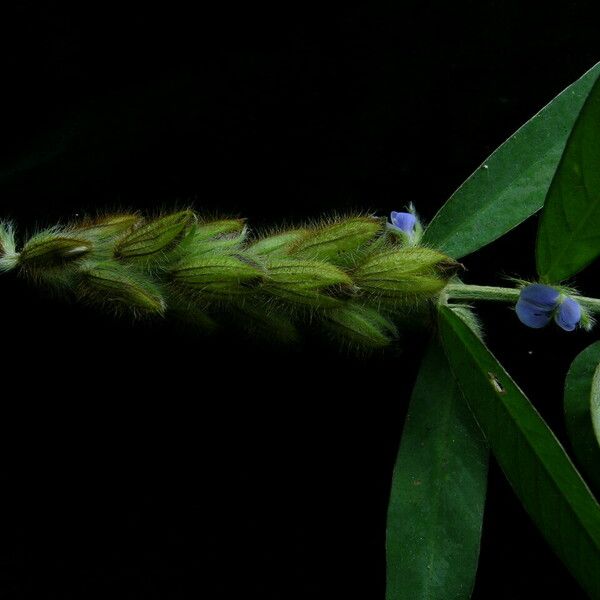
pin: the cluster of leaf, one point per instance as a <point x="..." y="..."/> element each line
<point x="465" y="404"/>
<point x="353" y="276"/>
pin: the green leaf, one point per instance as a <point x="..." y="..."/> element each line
<point x="438" y="492"/>
<point x="569" y="230"/>
<point x="538" y="468"/>
<point x="582" y="411"/>
<point x="512" y="182"/>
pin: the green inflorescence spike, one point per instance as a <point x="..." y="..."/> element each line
<point x="348" y="275"/>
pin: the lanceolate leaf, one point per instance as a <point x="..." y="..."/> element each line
<point x="569" y="232"/>
<point x="582" y="407"/>
<point x="511" y="184"/>
<point x="438" y="492"/>
<point x="533" y="460"/>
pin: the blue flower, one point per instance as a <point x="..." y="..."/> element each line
<point x="404" y="221"/>
<point x="568" y="314"/>
<point x="538" y="303"/>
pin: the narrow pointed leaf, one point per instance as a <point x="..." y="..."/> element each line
<point x="512" y="182"/>
<point x="438" y="492"/>
<point x="532" y="458"/>
<point x="582" y="411"/>
<point x="569" y="231"/>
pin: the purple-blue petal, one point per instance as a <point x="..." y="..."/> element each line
<point x="532" y="315"/>
<point x="568" y="314"/>
<point x="404" y="221"/>
<point x="542" y="296"/>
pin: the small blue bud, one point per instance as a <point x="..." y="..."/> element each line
<point x="536" y="305"/>
<point x="568" y="314"/>
<point x="404" y="221"/>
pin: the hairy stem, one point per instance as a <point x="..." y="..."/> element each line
<point x="460" y="291"/>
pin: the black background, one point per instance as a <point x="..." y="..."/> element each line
<point x="142" y="461"/>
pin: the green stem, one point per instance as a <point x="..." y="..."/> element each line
<point x="460" y="291"/>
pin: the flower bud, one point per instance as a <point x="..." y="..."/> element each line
<point x="307" y="282"/>
<point x="277" y="244"/>
<point x="220" y="275"/>
<point x="108" y="226"/>
<point x="403" y="273"/>
<point x="111" y="282"/>
<point x="190" y="315"/>
<point x="406" y="226"/>
<point x="215" y="236"/>
<point x="337" y="241"/>
<point x="52" y="247"/>
<point x="221" y="227"/>
<point x="266" y="322"/>
<point x="154" y="236"/>
<point x="9" y="257"/>
<point x="404" y="221"/>
<point x="361" y="326"/>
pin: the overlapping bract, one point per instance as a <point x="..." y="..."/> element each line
<point x="349" y="276"/>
